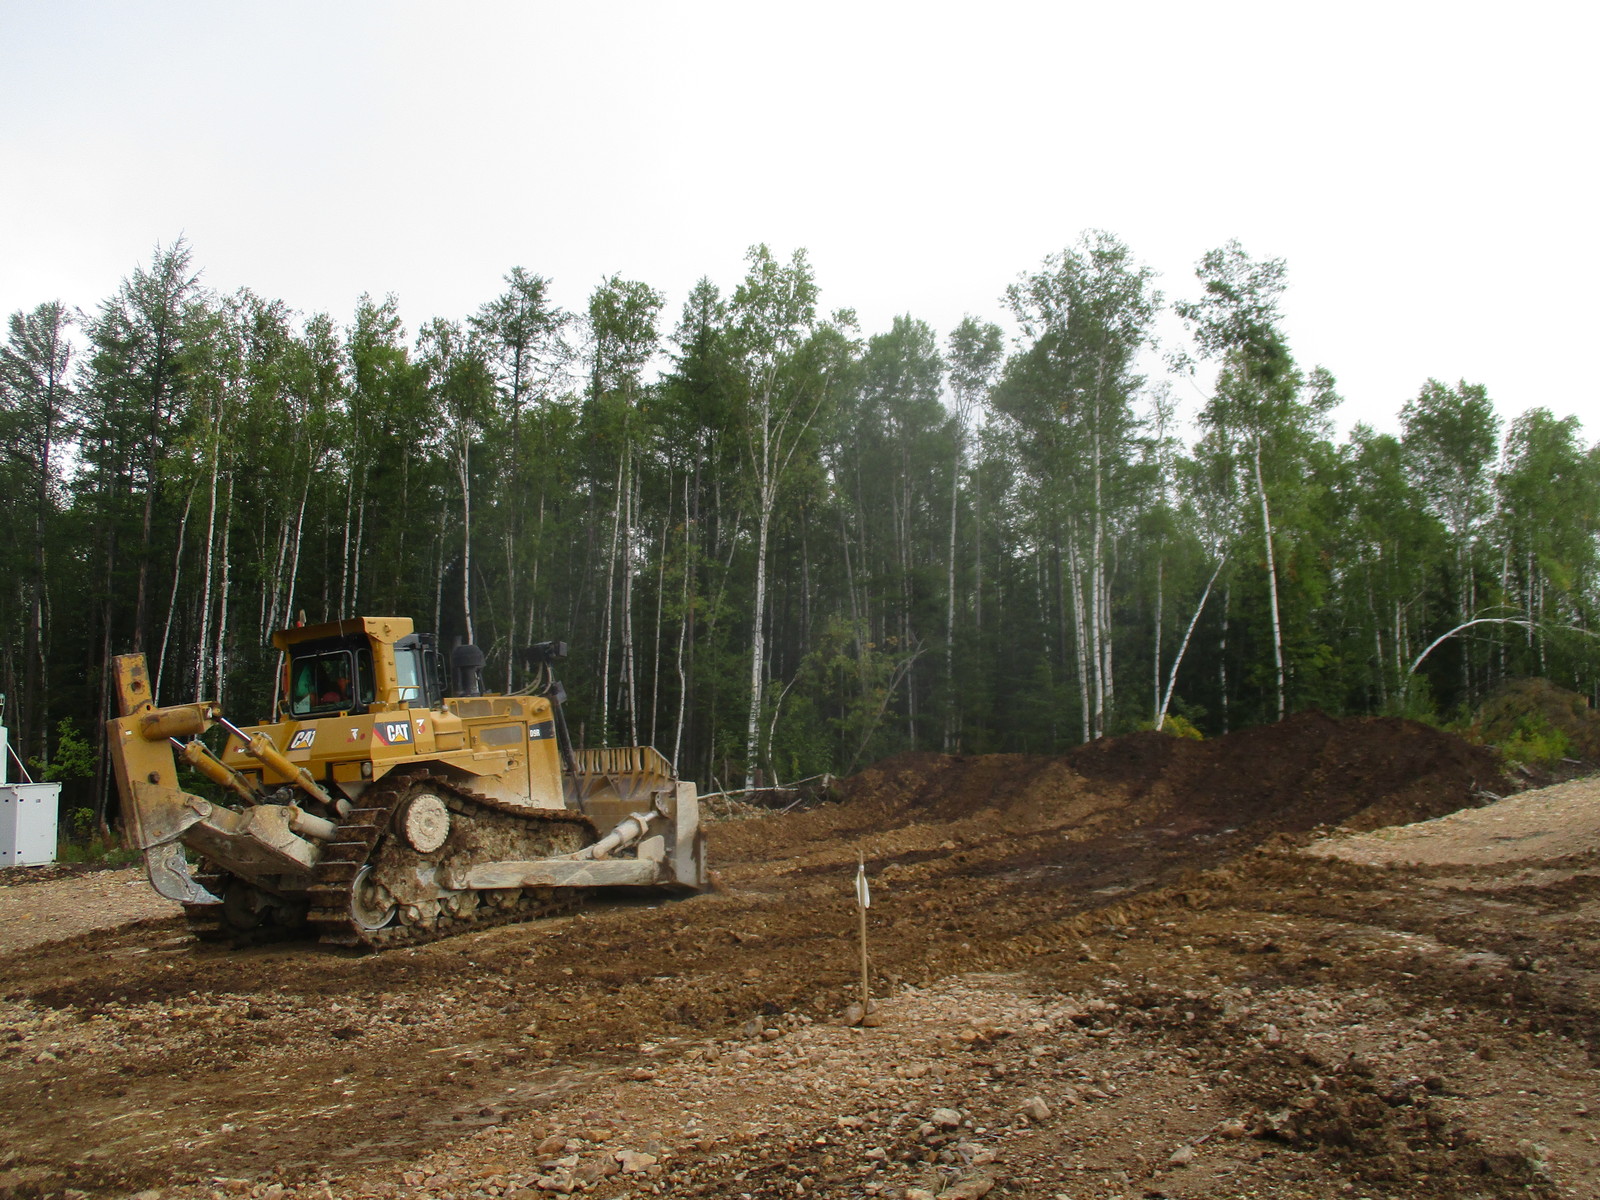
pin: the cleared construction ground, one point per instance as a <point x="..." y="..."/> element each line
<point x="1142" y="969"/>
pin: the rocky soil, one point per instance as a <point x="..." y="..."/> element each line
<point x="1114" y="973"/>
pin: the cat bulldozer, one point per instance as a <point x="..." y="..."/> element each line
<point x="378" y="810"/>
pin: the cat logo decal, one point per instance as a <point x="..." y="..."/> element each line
<point x="392" y="733"/>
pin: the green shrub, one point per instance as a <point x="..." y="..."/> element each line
<point x="1534" y="722"/>
<point x="1180" y="727"/>
<point x="1176" y="726"/>
<point x="96" y="850"/>
<point x="1535" y="743"/>
<point x="73" y="759"/>
<point x="85" y="844"/>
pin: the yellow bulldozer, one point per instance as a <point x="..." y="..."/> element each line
<point x="380" y="811"/>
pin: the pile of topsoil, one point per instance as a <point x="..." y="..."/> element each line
<point x="1539" y="715"/>
<point x="1307" y="771"/>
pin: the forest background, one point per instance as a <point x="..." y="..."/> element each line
<point x="778" y="544"/>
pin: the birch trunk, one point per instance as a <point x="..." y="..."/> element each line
<point x="629" y="676"/>
<point x="661" y="590"/>
<point x="1183" y="647"/>
<point x="269" y="615"/>
<point x="294" y="558"/>
<point x="1222" y="654"/>
<point x="1272" y="583"/>
<point x="605" y="638"/>
<point x="1080" y="638"/>
<point x="1107" y="642"/>
<point x="759" y="649"/>
<point x="950" y="604"/>
<point x="1462" y="605"/>
<point x="1377" y="644"/>
<point x="1155" y="678"/>
<point x="464" y="472"/>
<point x="1097" y="591"/>
<point x="222" y="597"/>
<point x="207" y="571"/>
<point x="767" y="485"/>
<point x="361" y="533"/>
<point x="344" y="579"/>
<point x="977" y="545"/>
<point x="438" y="586"/>
<point x="690" y="593"/>
<point x="172" y="605"/>
<point x="855" y="608"/>
<point x="265" y="592"/>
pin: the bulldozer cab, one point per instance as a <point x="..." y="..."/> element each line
<point x="355" y="667"/>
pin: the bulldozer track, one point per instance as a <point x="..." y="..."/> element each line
<point x="361" y="839"/>
<point x="358" y="842"/>
<point x="211" y="924"/>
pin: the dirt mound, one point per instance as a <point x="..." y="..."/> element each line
<point x="1307" y="771"/>
<point x="1317" y="770"/>
<point x="1535" y="720"/>
<point x="949" y="787"/>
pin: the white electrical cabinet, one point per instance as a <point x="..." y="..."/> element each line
<point x="28" y="823"/>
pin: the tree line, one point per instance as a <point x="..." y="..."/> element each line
<point x="780" y="545"/>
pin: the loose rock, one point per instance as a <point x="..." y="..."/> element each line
<point x="1035" y="1109"/>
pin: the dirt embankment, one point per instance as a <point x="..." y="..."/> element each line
<point x="1101" y="974"/>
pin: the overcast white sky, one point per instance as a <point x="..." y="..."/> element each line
<point x="1427" y="169"/>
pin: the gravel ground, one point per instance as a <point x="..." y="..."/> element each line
<point x="1112" y="974"/>
<point x="65" y="906"/>
<point x="1557" y="822"/>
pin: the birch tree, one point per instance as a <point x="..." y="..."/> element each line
<point x="524" y="334"/>
<point x="459" y="381"/>
<point x="142" y="340"/>
<point x="1391" y="546"/>
<point x="1085" y="317"/>
<point x="36" y="399"/>
<point x="623" y="339"/>
<point x="1451" y="439"/>
<point x="1260" y="417"/>
<point x="392" y="473"/>
<point x="1548" y="493"/>
<point x="773" y="314"/>
<point x="890" y="467"/>
<point x="973" y="355"/>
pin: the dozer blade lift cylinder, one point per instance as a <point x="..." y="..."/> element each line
<point x="259" y="747"/>
<point x="202" y="760"/>
<point x="184" y="720"/>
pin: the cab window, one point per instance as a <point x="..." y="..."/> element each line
<point x="332" y="681"/>
<point x="364" y="679"/>
<point x="408" y="674"/>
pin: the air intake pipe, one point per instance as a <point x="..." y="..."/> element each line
<point x="466" y="668"/>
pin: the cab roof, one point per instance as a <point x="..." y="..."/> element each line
<point x="379" y="629"/>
